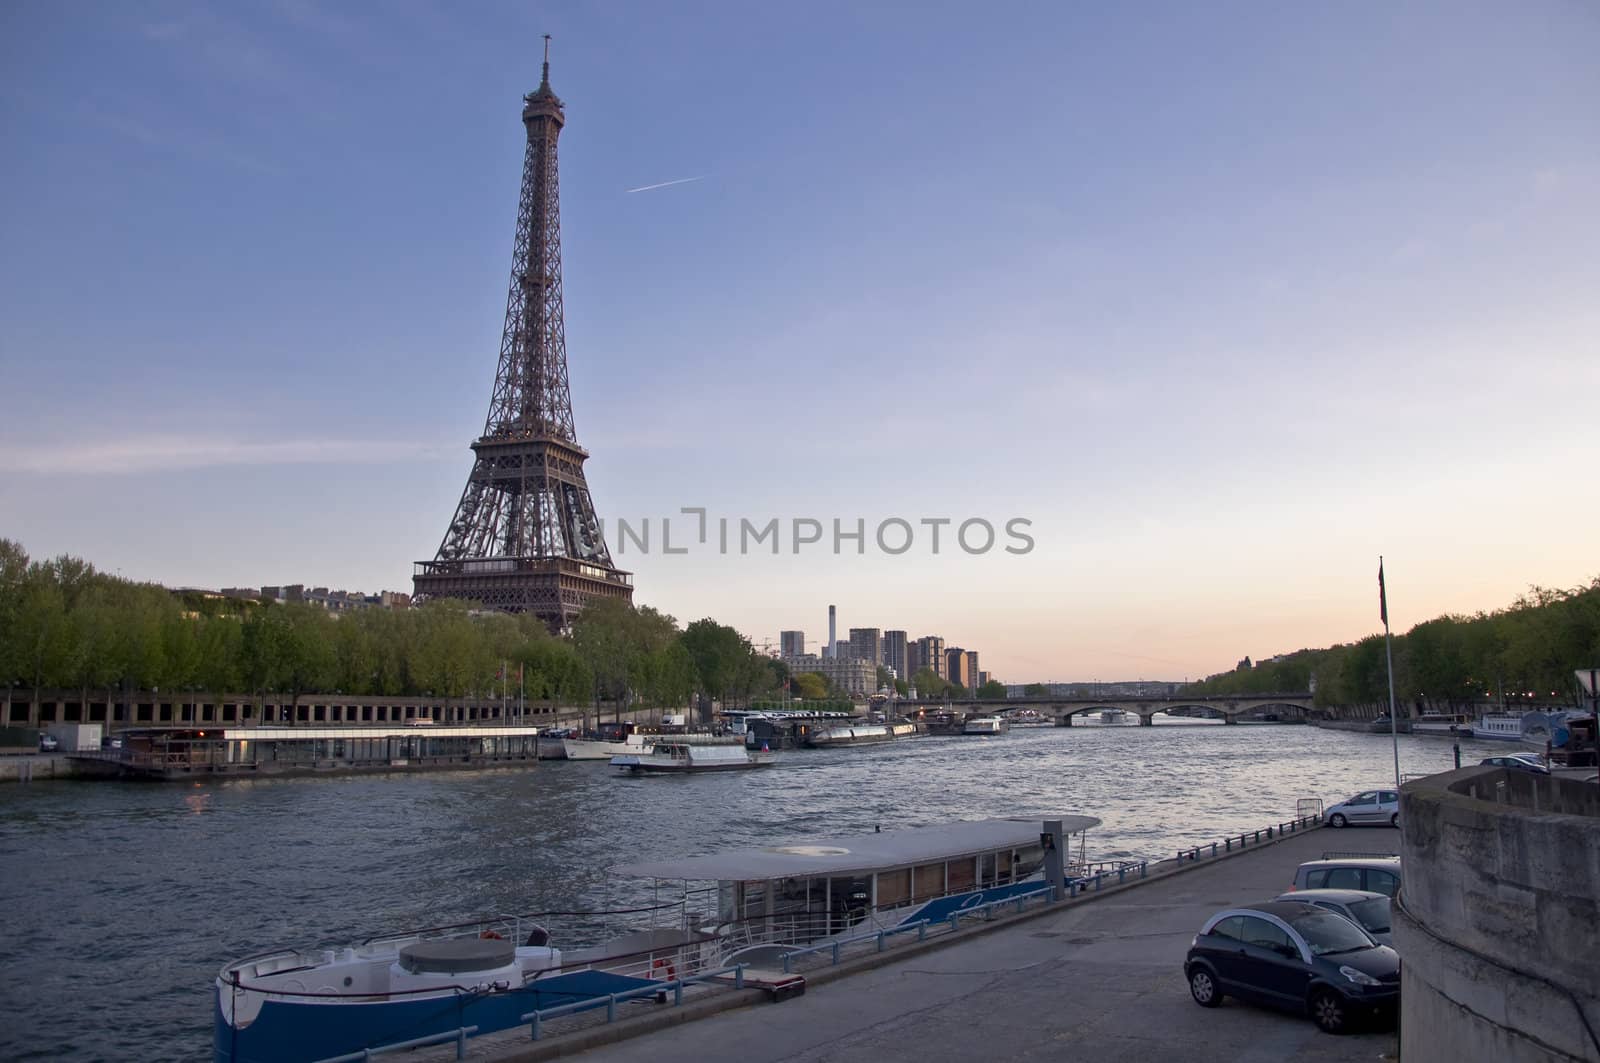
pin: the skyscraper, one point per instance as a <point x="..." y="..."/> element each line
<point x="895" y="649"/>
<point x="866" y="645"/>
<point x="792" y="643"/>
<point x="930" y="655"/>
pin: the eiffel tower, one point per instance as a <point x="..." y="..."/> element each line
<point x="525" y="537"/>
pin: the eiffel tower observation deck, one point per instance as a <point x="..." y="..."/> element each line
<point x="525" y="537"/>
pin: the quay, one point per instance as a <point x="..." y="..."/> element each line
<point x="1100" y="977"/>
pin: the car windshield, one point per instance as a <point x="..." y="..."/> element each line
<point x="1373" y="914"/>
<point x="1328" y="933"/>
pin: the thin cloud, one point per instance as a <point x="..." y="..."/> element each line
<point x="666" y="184"/>
<point x="170" y="453"/>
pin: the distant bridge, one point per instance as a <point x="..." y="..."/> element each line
<point x="1062" y="709"/>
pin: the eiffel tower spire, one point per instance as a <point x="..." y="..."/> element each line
<point x="525" y="537"/>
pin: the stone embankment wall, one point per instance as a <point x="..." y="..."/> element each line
<point x="1498" y="919"/>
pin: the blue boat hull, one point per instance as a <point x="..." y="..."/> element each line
<point x="296" y="1029"/>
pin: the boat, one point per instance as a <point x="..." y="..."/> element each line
<point x="1446" y="724"/>
<point x="984" y="725"/>
<point x="1112" y="716"/>
<point x="669" y="756"/>
<point x="636" y="743"/>
<point x="857" y="734"/>
<point x="1499" y="726"/>
<point x="433" y="984"/>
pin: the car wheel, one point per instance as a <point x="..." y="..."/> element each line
<point x="1328" y="1011"/>
<point x="1203" y="987"/>
<point x="1337" y="820"/>
<point x="1394" y="820"/>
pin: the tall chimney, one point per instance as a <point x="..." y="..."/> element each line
<point x="833" y="630"/>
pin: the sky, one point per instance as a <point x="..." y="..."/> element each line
<point x="1223" y="300"/>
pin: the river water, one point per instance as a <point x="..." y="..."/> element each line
<point x="122" y="900"/>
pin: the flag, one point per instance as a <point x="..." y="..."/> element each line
<point x="1383" y="601"/>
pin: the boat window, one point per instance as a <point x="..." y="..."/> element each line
<point x="986" y="875"/>
<point x="961" y="875"/>
<point x="1005" y="858"/>
<point x="1029" y="860"/>
<point x="927" y="882"/>
<point x="894" y="887"/>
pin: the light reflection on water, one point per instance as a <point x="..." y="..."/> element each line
<point x="122" y="900"/>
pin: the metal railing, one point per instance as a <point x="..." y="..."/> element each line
<point x="1244" y="840"/>
<point x="537" y="1018"/>
<point x="459" y="1036"/>
<point x="1121" y="869"/>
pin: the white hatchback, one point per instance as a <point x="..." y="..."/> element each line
<point x="1371" y="806"/>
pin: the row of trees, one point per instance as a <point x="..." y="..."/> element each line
<point x="65" y="625"/>
<point x="1528" y="651"/>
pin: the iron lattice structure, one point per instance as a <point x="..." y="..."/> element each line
<point x="525" y="537"/>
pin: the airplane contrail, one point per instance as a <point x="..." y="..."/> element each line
<point x="667" y="184"/>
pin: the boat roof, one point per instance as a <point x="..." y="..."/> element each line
<point x="815" y="857"/>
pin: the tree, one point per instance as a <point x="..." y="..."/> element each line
<point x="811" y="685"/>
<point x="1036" y="690"/>
<point x="885" y="678"/>
<point x="902" y="688"/>
<point x="929" y="684"/>
<point x="992" y="689"/>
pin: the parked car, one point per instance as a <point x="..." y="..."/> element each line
<point x="1372" y="874"/>
<point x="1294" y="956"/>
<point x="48" y="743"/>
<point x="1516" y="762"/>
<point x="1368" y="910"/>
<point x="1371" y="806"/>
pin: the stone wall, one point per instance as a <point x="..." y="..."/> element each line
<point x="1498" y="920"/>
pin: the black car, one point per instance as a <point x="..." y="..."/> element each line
<point x="1296" y="956"/>
<point x="1516" y="762"/>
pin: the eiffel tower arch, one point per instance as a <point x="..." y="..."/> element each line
<point x="525" y="537"/>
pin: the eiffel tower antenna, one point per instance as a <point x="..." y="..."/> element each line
<point x="525" y="537"/>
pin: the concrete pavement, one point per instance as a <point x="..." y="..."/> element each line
<point x="1101" y="980"/>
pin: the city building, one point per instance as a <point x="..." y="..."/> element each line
<point x="866" y="644"/>
<point x="955" y="661"/>
<point x="321" y="597"/>
<point x="833" y="632"/>
<point x="972" y="670"/>
<point x="791" y="643"/>
<point x="841" y="650"/>
<point x="855" y="678"/>
<point x="930" y="655"/>
<point x="895" y="654"/>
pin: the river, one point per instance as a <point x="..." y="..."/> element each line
<point x="122" y="900"/>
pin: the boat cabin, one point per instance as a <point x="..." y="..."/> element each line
<point x="805" y="892"/>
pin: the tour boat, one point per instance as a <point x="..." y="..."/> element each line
<point x="1499" y="726"/>
<point x="670" y="756"/>
<point x="636" y="743"/>
<point x="485" y="976"/>
<point x="984" y="725"/>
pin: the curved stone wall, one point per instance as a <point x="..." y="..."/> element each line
<point x="1498" y="919"/>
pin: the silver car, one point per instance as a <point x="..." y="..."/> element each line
<point x="1364" y="908"/>
<point x="1370" y="806"/>
<point x="1371" y="874"/>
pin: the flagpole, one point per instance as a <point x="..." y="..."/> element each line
<point x="1388" y="649"/>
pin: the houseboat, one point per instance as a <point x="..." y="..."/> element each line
<point x="667" y="755"/>
<point x="857" y="734"/>
<point x="484" y="976"/>
<point x="984" y="725"/>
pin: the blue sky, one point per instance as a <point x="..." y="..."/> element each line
<point x="1226" y="301"/>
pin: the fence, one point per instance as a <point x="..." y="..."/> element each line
<point x="1228" y="844"/>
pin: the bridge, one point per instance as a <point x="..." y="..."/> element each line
<point x="1230" y="707"/>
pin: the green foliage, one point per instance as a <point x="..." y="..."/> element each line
<point x="929" y="684"/>
<point x="902" y="688"/>
<point x="992" y="689"/>
<point x="65" y="625"/>
<point x="1528" y="651"/>
<point x="1035" y="690"/>
<point x="811" y="686"/>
